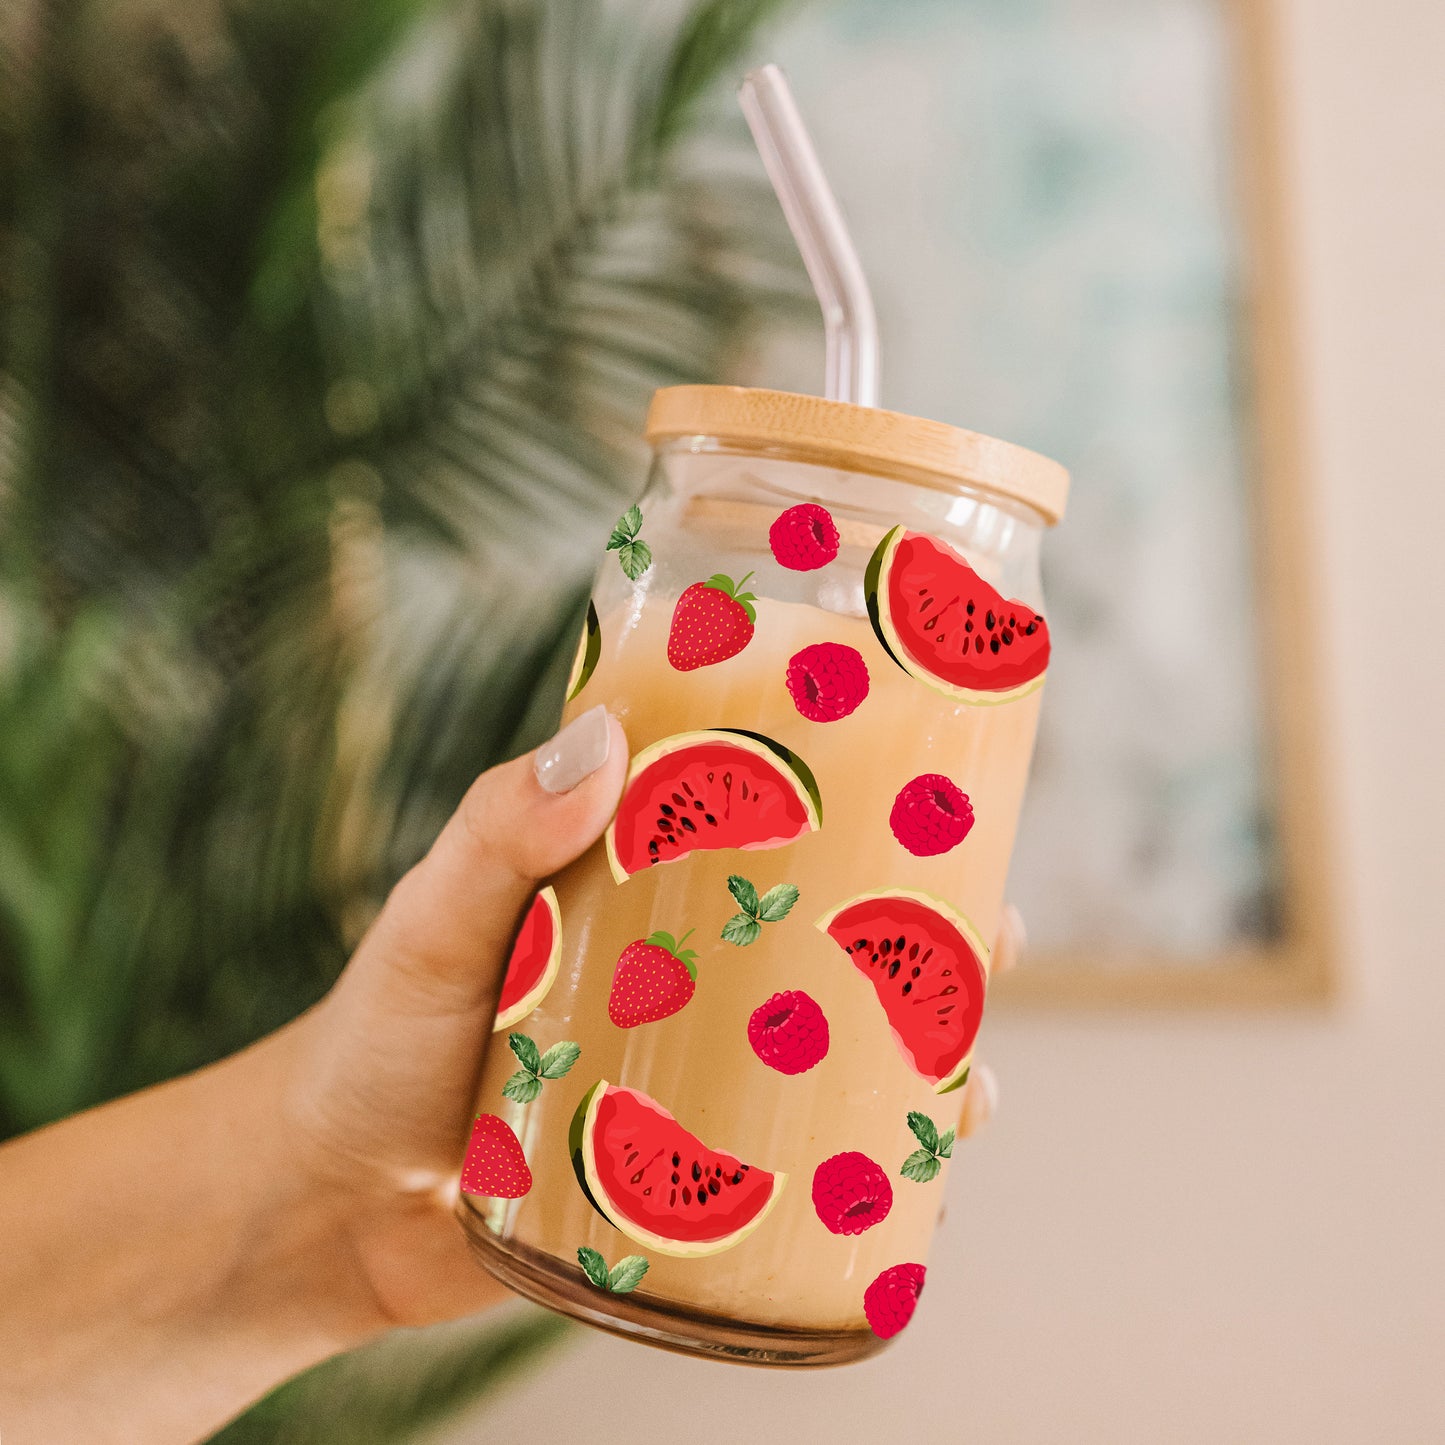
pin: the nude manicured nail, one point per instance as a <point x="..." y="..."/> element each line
<point x="575" y="753"/>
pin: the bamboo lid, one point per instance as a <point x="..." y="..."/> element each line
<point x="858" y="438"/>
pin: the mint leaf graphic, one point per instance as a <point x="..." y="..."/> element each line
<point x="629" y="524"/>
<point x="522" y="1086"/>
<point x="636" y="558"/>
<point x="558" y="1059"/>
<point x="593" y="1266"/>
<point x="924" y="1130"/>
<point x="526" y="1052"/>
<point x="777" y="902"/>
<point x="745" y="893"/>
<point x="945" y="1144"/>
<point x="920" y="1166"/>
<point x="741" y="930"/>
<point x="626" y="1274"/>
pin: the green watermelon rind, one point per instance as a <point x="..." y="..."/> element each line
<point x="875" y="591"/>
<point x="578" y="1136"/>
<point x="957" y="1077"/>
<point x="589" y="649"/>
<point x="548" y="976"/>
<point x="793" y="771"/>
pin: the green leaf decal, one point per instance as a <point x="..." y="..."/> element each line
<point x="629" y="524"/>
<point x="526" y="1052"/>
<point x="920" y="1166"/>
<point x="945" y="1144"/>
<point x="924" y="1130"/>
<point x="593" y="1266"/>
<point x="741" y="930"/>
<point x="558" y="1059"/>
<point x="626" y="1274"/>
<point x="777" y="902"/>
<point x="522" y="1086"/>
<point x="744" y="892"/>
<point x="636" y="558"/>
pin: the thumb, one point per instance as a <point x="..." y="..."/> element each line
<point x="441" y="942"/>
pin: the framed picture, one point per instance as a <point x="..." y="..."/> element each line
<point x="1071" y="216"/>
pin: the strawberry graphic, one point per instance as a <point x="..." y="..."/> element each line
<point x="712" y="622"/>
<point x="655" y="977"/>
<point x="496" y="1166"/>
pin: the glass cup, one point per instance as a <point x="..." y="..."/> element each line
<point x="774" y="964"/>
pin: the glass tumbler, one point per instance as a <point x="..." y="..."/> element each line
<point x="717" y="1113"/>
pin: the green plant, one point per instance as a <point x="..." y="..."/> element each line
<point x="325" y="335"/>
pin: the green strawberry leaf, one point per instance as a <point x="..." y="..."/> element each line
<point x="920" y="1166"/>
<point x="945" y="1144"/>
<point x="558" y="1059"/>
<point x="593" y="1266"/>
<point x="745" y="894"/>
<point x="627" y="1274"/>
<point x="687" y="957"/>
<point x="629" y="524"/>
<point x="522" y="1086"/>
<point x="777" y="903"/>
<point x="526" y="1052"/>
<point x="924" y="1130"/>
<point x="636" y="558"/>
<point x="741" y="930"/>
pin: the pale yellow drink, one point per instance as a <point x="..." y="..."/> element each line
<point x="697" y="1063"/>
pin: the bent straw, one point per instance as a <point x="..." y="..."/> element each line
<point x="849" y="322"/>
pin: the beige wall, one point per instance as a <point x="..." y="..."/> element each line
<point x="1217" y="1229"/>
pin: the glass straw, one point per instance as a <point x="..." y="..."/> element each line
<point x="849" y="322"/>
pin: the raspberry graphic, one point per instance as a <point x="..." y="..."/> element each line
<point x="890" y="1300"/>
<point x="851" y="1193"/>
<point x="827" y="681"/>
<point x="789" y="1032"/>
<point x="495" y="1165"/>
<point x="931" y="815"/>
<point x="804" y="538"/>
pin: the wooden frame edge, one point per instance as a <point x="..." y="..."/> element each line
<point x="1302" y="968"/>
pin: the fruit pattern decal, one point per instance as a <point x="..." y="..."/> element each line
<point x="537" y="1067"/>
<point x="930" y="815"/>
<point x="712" y="622"/>
<point x="622" y="1278"/>
<point x="655" y="977"/>
<point x="706" y="790"/>
<point x="632" y="552"/>
<point x="944" y="625"/>
<point x="827" y="681"/>
<point x="495" y="1165"/>
<point x="533" y="963"/>
<point x="659" y="1184"/>
<point x="655" y="1182"/>
<point x="890" y="1300"/>
<point x="789" y="1032"/>
<point x="589" y="650"/>
<point x="746" y="925"/>
<point x="851" y="1193"/>
<point x="804" y="538"/>
<point x="923" y="1164"/>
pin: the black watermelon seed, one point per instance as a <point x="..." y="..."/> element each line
<point x="894" y="967"/>
<point x="713" y="1187"/>
<point x="677" y="1161"/>
<point x="688" y="824"/>
<point x="696" y="1171"/>
<point x="968" y="625"/>
<point x="993" y="644"/>
<point x="667" y="810"/>
<point x="970" y="608"/>
<point x="908" y="987"/>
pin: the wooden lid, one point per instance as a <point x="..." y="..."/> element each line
<point x="858" y="438"/>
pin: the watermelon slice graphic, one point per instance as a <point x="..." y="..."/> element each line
<point x="660" y="1185"/>
<point x="589" y="649"/>
<point x="532" y="968"/>
<point x="943" y="624"/>
<point x="930" y="970"/>
<point x="705" y="790"/>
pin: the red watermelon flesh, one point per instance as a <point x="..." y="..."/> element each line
<point x="944" y="624"/>
<point x="660" y="1185"/>
<point x="929" y="968"/>
<point x="532" y="967"/>
<point x="707" y="790"/>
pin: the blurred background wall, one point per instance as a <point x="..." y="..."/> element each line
<point x="1220" y="1228"/>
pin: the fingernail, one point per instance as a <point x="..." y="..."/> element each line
<point x="575" y="753"/>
